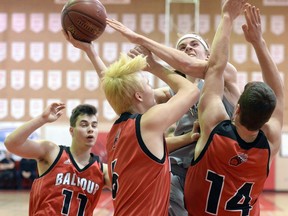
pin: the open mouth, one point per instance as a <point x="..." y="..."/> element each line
<point x="90" y="137"/>
<point x="190" y="53"/>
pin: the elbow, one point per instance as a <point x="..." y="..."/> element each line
<point x="196" y="91"/>
<point x="8" y="143"/>
<point x="196" y="68"/>
<point x="185" y="65"/>
<point x="215" y="70"/>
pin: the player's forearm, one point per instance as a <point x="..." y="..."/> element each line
<point x="220" y="46"/>
<point x="175" y="81"/>
<point x="176" y="142"/>
<point x="96" y="61"/>
<point x="175" y="58"/>
<point x="269" y="69"/>
<point x="22" y="133"/>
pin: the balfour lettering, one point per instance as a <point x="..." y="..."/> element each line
<point x="73" y="180"/>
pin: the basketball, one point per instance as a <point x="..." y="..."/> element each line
<point x="85" y="19"/>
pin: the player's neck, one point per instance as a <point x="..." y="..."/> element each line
<point x="245" y="134"/>
<point x="81" y="156"/>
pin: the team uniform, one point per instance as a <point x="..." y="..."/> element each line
<point x="181" y="158"/>
<point x="65" y="189"/>
<point x="246" y="166"/>
<point x="140" y="181"/>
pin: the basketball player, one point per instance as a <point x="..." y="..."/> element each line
<point x="197" y="50"/>
<point x="232" y="158"/>
<point x="70" y="178"/>
<point x="137" y="154"/>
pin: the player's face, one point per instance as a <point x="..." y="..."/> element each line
<point x="86" y="130"/>
<point x="193" y="48"/>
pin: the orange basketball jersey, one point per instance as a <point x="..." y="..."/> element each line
<point x="65" y="189"/>
<point x="140" y="181"/>
<point x="228" y="176"/>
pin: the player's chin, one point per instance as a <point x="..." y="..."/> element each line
<point x="91" y="142"/>
<point x="90" y="145"/>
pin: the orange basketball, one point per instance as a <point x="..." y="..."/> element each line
<point x="85" y="19"/>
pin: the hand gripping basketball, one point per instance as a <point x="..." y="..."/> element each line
<point x="85" y="19"/>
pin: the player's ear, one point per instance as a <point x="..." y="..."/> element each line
<point x="71" y="130"/>
<point x="207" y="55"/>
<point x="237" y="109"/>
<point x="138" y="96"/>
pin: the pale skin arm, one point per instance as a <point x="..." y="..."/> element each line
<point x="211" y="110"/>
<point x="180" y="61"/>
<point x="161" y="95"/>
<point x="157" y="119"/>
<point x="271" y="76"/>
<point x="176" y="142"/>
<point x="88" y="48"/>
<point x="177" y="59"/>
<point x="231" y="88"/>
<point x="18" y="141"/>
<point x="106" y="176"/>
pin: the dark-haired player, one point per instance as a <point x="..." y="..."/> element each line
<point x="70" y="178"/>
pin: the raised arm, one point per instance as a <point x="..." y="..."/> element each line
<point x="180" y="61"/>
<point x="177" y="59"/>
<point x="211" y="109"/>
<point x="157" y="119"/>
<point x="90" y="51"/>
<point x="181" y="86"/>
<point x="271" y="76"/>
<point x="18" y="141"/>
<point x="161" y="95"/>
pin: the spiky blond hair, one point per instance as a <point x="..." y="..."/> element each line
<point x="121" y="81"/>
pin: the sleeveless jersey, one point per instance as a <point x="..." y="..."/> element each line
<point x="140" y="181"/>
<point x="65" y="189"/>
<point x="229" y="174"/>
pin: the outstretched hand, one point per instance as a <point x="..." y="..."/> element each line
<point x="140" y="50"/>
<point x="125" y="31"/>
<point x="252" y="29"/>
<point x="233" y="8"/>
<point x="53" y="112"/>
